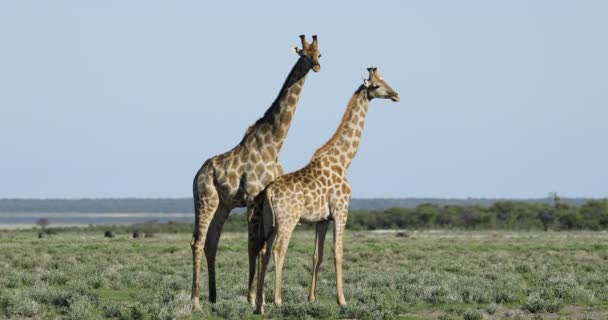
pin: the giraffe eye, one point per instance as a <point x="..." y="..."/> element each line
<point x="320" y="55"/>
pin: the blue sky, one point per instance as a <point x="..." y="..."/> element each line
<point x="127" y="99"/>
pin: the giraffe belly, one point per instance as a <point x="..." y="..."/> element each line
<point x="316" y="209"/>
<point x="241" y="190"/>
<point x="317" y="217"/>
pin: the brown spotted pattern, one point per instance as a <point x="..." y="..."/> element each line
<point x="234" y="179"/>
<point x="318" y="193"/>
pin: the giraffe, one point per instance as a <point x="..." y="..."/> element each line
<point x="234" y="178"/>
<point x="317" y="193"/>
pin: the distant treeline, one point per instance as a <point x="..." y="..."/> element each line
<point x="507" y="215"/>
<point x="184" y="205"/>
<point x="513" y="215"/>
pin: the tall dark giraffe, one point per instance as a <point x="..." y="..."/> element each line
<point x="234" y="178"/>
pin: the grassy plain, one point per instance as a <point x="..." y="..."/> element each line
<point x="413" y="275"/>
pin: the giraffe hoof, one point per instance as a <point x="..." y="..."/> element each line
<point x="196" y="305"/>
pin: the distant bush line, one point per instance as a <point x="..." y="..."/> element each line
<point x="508" y="215"/>
<point x="505" y="215"/>
<point x="185" y="205"/>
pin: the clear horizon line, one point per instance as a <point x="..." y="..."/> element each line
<point x="354" y="198"/>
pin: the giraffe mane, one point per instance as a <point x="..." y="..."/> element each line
<point x="334" y="137"/>
<point x="289" y="81"/>
<point x="248" y="131"/>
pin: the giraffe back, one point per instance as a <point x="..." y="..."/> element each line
<point x="310" y="194"/>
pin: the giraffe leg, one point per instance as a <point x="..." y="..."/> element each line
<point x="280" y="250"/>
<point x="206" y="202"/>
<point x="339" y="224"/>
<point x="254" y="249"/>
<point x="211" y="243"/>
<point x="263" y="259"/>
<point x="317" y="258"/>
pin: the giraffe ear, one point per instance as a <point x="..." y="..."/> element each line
<point x="366" y="83"/>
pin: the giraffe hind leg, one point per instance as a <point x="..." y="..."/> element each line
<point x="206" y="202"/>
<point x="283" y="235"/>
<point x="320" y="232"/>
<point x="263" y="259"/>
<point x="254" y="246"/>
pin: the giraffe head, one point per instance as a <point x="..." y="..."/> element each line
<point x="378" y="88"/>
<point x="310" y="51"/>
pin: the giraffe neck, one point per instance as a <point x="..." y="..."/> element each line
<point x="344" y="144"/>
<point x="270" y="130"/>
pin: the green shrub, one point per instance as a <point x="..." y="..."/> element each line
<point x="535" y="303"/>
<point x="80" y="308"/>
<point x="137" y="311"/>
<point x="503" y="294"/>
<point x="491" y="308"/>
<point x="231" y="309"/>
<point x="522" y="268"/>
<point x="9" y="281"/>
<point x="472" y="314"/>
<point x="18" y="304"/>
<point x="355" y="311"/>
<point x="97" y="281"/>
<point x="116" y="310"/>
<point x="432" y="294"/>
<point x="42" y="293"/>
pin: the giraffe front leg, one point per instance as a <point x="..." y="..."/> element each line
<point x="211" y="243"/>
<point x="253" y="246"/>
<point x="339" y="225"/>
<point x="317" y="258"/>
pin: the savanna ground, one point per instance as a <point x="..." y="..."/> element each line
<point x="414" y="275"/>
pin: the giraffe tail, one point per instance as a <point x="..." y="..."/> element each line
<point x="266" y="215"/>
<point x="197" y="209"/>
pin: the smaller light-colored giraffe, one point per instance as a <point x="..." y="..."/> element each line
<point x="317" y="193"/>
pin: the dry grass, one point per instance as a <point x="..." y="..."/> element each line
<point x="426" y="275"/>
